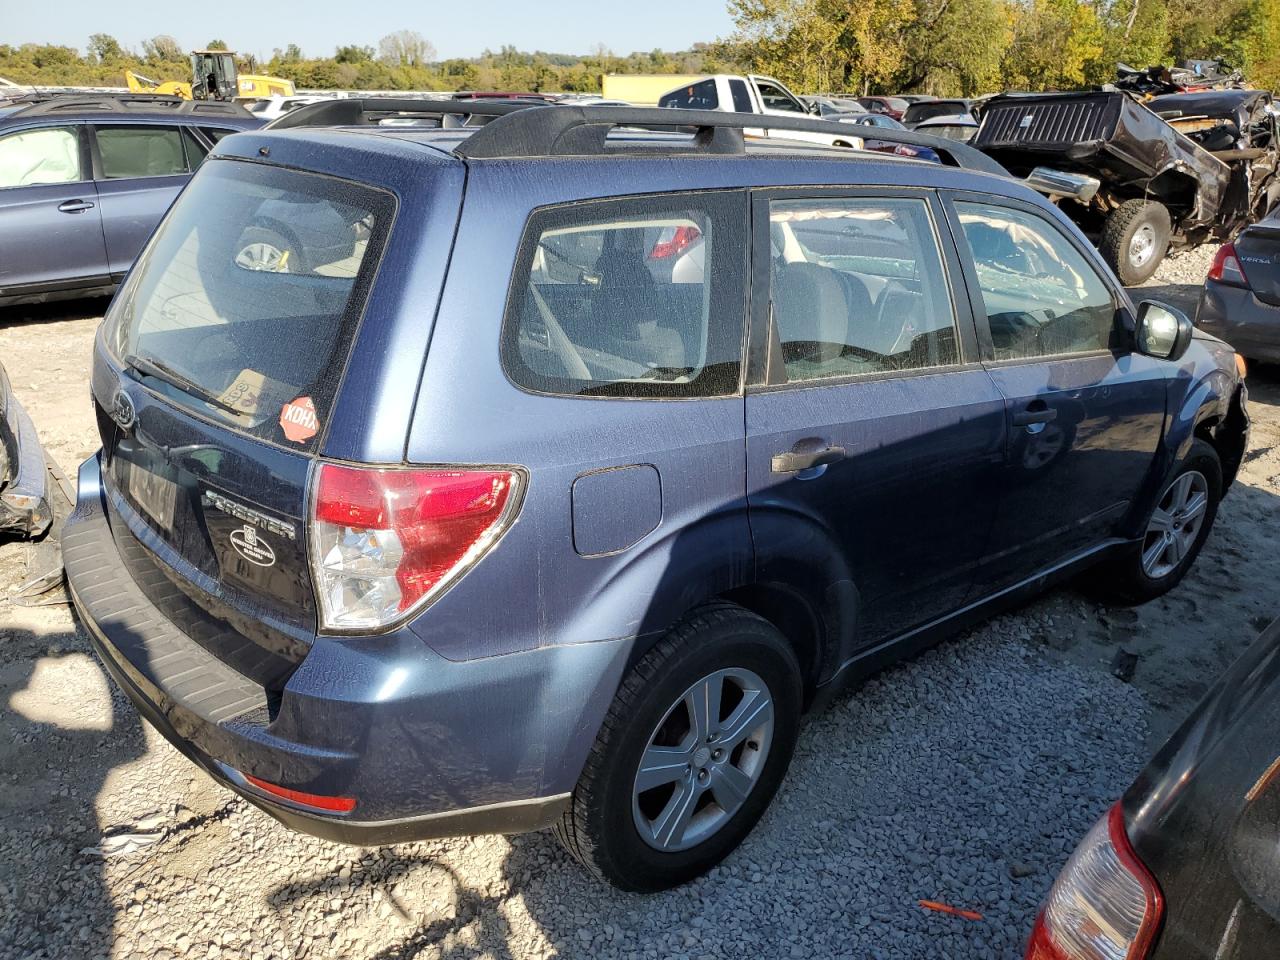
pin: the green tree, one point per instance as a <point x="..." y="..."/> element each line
<point x="955" y="47"/>
<point x="406" y="48"/>
<point x="105" y="47"/>
<point x="1054" y="45"/>
<point x="162" y="48"/>
<point x="1135" y="32"/>
<point x="353" y="54"/>
<point x="216" y="45"/>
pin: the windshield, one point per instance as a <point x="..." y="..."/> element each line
<point x="244" y="305"/>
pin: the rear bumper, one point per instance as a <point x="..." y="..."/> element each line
<point x="25" y="508"/>
<point x="1235" y="315"/>
<point x="427" y="746"/>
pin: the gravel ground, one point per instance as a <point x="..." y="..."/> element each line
<point x="965" y="776"/>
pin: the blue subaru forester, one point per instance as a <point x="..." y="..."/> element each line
<point x="471" y="477"/>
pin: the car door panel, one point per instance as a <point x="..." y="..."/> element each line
<point x="136" y="194"/>
<point x="1070" y="479"/>
<point x="877" y="488"/>
<point x="51" y="233"/>
<point x="1085" y="412"/>
<point x="903" y="510"/>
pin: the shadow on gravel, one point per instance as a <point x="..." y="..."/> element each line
<point x="1184" y="296"/>
<point x="426" y="899"/>
<point x="50" y="313"/>
<point x="56" y="759"/>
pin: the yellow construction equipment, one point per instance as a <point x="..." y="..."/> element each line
<point x="214" y="76"/>
<point x="169" y="88"/>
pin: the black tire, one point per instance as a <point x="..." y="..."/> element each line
<point x="1124" y="580"/>
<point x="1118" y="234"/>
<point x="256" y="241"/>
<point x="599" y="828"/>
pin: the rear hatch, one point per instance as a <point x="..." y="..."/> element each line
<point x="1258" y="250"/>
<point x="226" y="348"/>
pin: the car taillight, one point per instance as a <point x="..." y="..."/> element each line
<point x="1105" y="905"/>
<point x="1226" y="267"/>
<point x="385" y="542"/>
<point x="674" y="241"/>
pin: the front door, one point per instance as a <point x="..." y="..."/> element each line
<point x="875" y="440"/>
<point x="50" y="229"/>
<point x="1085" y="411"/>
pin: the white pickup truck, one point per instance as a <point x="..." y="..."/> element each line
<point x="753" y="94"/>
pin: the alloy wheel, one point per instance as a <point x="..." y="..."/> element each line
<point x="262" y="256"/>
<point x="703" y="760"/>
<point x="1175" y="524"/>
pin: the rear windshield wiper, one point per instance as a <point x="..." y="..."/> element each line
<point x="151" y="367"/>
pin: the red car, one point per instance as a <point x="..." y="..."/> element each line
<point x="889" y="106"/>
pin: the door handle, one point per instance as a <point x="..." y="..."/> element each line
<point x="1037" y="411"/>
<point x="793" y="462"/>
<point x="74" y="206"/>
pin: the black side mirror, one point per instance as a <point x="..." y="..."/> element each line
<point x="1162" y="331"/>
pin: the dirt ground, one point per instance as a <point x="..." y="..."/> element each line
<point x="78" y="764"/>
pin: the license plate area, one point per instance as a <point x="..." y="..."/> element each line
<point x="153" y="494"/>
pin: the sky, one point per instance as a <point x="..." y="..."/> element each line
<point x="318" y="26"/>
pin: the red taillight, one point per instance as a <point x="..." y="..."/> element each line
<point x="674" y="242"/>
<point x="386" y="541"/>
<point x="1105" y="905"/>
<point x="316" y="800"/>
<point x="1227" y="268"/>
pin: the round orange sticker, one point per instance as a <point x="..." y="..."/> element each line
<point x="298" y="420"/>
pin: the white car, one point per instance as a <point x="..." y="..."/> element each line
<point x="753" y="94"/>
<point x="275" y="107"/>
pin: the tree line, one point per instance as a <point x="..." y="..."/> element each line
<point x="943" y="47"/>
<point x="404" y="60"/>
<point x="969" y="47"/>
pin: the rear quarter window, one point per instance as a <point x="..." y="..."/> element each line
<point x="640" y="298"/>
<point x="696" y="96"/>
<point x="245" y="303"/>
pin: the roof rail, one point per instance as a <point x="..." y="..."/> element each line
<point x="126" y="103"/>
<point x="563" y="130"/>
<point x="369" y="111"/>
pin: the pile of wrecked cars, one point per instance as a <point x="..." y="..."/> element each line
<point x="1141" y="174"/>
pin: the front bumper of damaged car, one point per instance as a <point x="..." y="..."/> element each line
<point x="25" y="507"/>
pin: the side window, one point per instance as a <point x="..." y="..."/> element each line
<point x="46" y="155"/>
<point x="697" y="96"/>
<point x="741" y="96"/>
<point x="775" y="98"/>
<point x="1041" y="295"/>
<point x="631" y="298"/>
<point x="859" y="288"/>
<point x="216" y="133"/>
<point x="140" y="151"/>
<point x="196" y="151"/>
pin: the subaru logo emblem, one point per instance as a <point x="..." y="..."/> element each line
<point x="122" y="411"/>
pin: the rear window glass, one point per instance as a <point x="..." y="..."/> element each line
<point x="141" y="152"/>
<point x="630" y="298"/>
<point x="696" y="96"/>
<point x="245" y="302"/>
<point x="741" y="97"/>
<point x="934" y="108"/>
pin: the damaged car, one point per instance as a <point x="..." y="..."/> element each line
<point x="35" y="500"/>
<point x="24" y="502"/>
<point x="1142" y="179"/>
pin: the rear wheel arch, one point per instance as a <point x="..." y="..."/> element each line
<point x="796" y="620"/>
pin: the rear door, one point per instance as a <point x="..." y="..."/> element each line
<point x="224" y="365"/>
<point x="1085" y="411"/>
<point x="140" y="168"/>
<point x="50" y="228"/>
<point x="875" y="438"/>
